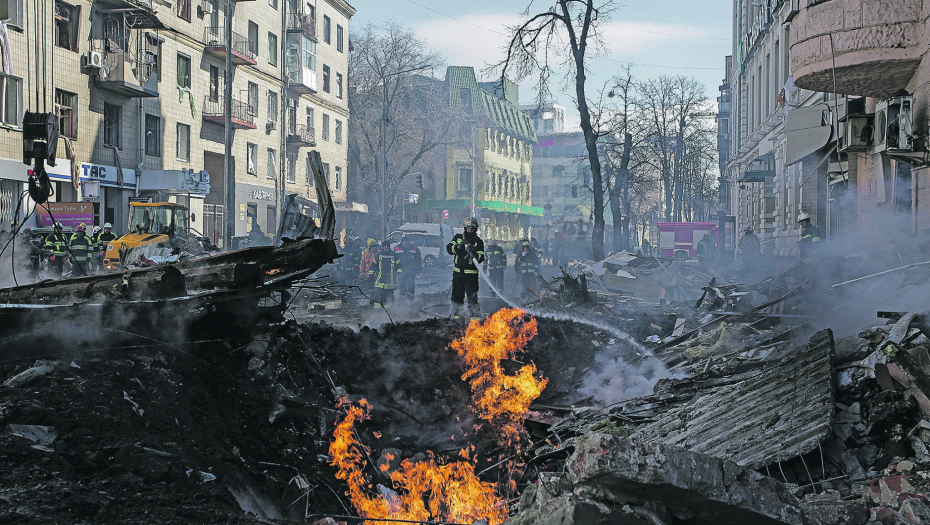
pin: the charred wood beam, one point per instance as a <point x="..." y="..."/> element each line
<point x="155" y="283"/>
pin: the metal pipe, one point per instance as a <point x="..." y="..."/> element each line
<point x="649" y="515"/>
<point x="229" y="177"/>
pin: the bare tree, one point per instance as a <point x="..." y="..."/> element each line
<point x="568" y="30"/>
<point x="399" y="114"/>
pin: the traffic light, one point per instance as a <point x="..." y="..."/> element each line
<point x="420" y="181"/>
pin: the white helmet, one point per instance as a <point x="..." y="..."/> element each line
<point x="803" y="217"/>
<point x="108" y="225"/>
<point x="97" y="229"/>
<point x="59" y="226"/>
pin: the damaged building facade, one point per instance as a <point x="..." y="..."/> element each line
<point x="139" y="90"/>
<point x="827" y="99"/>
<point x="490" y="163"/>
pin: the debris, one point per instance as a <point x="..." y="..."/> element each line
<point x="30" y="374"/>
<point x="39" y="434"/>
<point x="203" y="477"/>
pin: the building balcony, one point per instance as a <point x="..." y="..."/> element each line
<point x="301" y="136"/>
<point x="243" y="115"/>
<point x="127" y="74"/>
<point x="876" y="46"/>
<point x="301" y="23"/>
<point x="244" y="51"/>
<point x="300" y="80"/>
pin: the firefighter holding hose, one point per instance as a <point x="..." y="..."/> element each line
<point x="468" y="250"/>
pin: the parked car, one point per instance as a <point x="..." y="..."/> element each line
<point x="430" y="238"/>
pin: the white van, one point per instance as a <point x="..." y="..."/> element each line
<point x="430" y="238"/>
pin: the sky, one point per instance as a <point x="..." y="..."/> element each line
<point x="658" y="37"/>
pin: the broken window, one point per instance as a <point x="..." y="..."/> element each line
<point x="112" y="123"/>
<point x="66" y="105"/>
<point x="152" y="135"/>
<point x="153" y="53"/>
<point x="251" y="154"/>
<point x="253" y="99"/>
<point x="184" y="71"/>
<point x="67" y="25"/>
<point x="183" y="144"/>
<point x="12" y="12"/>
<point x="184" y="10"/>
<point x="214" y="84"/>
<point x="11" y="88"/>
<point x="325" y="78"/>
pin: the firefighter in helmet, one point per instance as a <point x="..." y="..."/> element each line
<point x="56" y="244"/>
<point x="82" y="248"/>
<point x="468" y="252"/>
<point x="809" y="244"/>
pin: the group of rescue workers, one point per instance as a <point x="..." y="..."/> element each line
<point x="750" y="249"/>
<point x="84" y="252"/>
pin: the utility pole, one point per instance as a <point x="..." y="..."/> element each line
<point x="229" y="177"/>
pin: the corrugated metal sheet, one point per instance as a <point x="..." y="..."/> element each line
<point x="780" y="413"/>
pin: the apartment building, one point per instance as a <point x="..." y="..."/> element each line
<point x="780" y="146"/>
<point x="489" y="164"/>
<point x="560" y="170"/>
<point x="139" y="89"/>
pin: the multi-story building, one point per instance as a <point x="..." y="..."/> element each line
<point x="779" y="149"/>
<point x="489" y="164"/>
<point x="560" y="176"/>
<point x="139" y="89"/>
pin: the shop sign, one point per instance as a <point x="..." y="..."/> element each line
<point x="69" y="214"/>
<point x="262" y="195"/>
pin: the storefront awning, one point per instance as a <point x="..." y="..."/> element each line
<point x="503" y="207"/>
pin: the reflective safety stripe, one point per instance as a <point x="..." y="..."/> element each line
<point x="464" y="271"/>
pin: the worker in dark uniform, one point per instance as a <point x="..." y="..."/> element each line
<point x="527" y="265"/>
<point x="36" y="248"/>
<point x="351" y="259"/>
<point x="809" y="244"/>
<point x="705" y="250"/>
<point x="82" y="248"/>
<point x="468" y="251"/>
<point x="410" y="263"/>
<point x="387" y="268"/>
<point x="494" y="264"/>
<point x="106" y="237"/>
<point x="749" y="247"/>
<point x="56" y="244"/>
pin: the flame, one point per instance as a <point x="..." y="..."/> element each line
<point x="497" y="396"/>
<point x="426" y="490"/>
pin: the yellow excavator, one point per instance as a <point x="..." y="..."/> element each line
<point x="150" y="224"/>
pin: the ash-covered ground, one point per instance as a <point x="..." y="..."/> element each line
<point x="239" y="427"/>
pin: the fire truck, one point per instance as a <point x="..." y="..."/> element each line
<point x="680" y="239"/>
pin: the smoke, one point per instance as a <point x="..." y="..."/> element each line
<point x="613" y="379"/>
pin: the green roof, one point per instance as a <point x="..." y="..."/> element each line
<point x="499" y="111"/>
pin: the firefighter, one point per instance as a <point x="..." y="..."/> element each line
<point x="705" y="250"/>
<point x="36" y="246"/>
<point x="96" y="260"/>
<point x="468" y="251"/>
<point x="495" y="264"/>
<point x="750" y="249"/>
<point x="410" y="264"/>
<point x="387" y="267"/>
<point x="82" y="248"/>
<point x="100" y="247"/>
<point x="809" y="244"/>
<point x="365" y="270"/>
<point x="527" y="265"/>
<point x="56" y="244"/>
<point x="352" y="258"/>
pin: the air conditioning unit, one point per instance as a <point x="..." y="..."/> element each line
<point x="95" y="59"/>
<point x="207" y="8"/>
<point x="893" y="125"/>
<point x="856" y="133"/>
<point x="270" y="125"/>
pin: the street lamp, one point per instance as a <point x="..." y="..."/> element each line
<point x="384" y="117"/>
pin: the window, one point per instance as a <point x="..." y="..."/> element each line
<point x="310" y="125"/>
<point x="214" y="15"/>
<point x="326" y="78"/>
<point x="292" y="168"/>
<point x="465" y="179"/>
<point x="253" y="99"/>
<point x="66" y="104"/>
<point x="184" y="71"/>
<point x="112" y="120"/>
<point x="12" y="10"/>
<point x="67" y="25"/>
<point x="340" y="35"/>
<point x="292" y="116"/>
<point x="272" y="161"/>
<point x="272" y="49"/>
<point x="273" y="3"/>
<point x="183" y="145"/>
<point x="326" y="171"/>
<point x="152" y="135"/>
<point x="338" y="131"/>
<point x="339" y="85"/>
<point x="309" y="171"/>
<point x="11" y="89"/>
<point x="153" y="53"/>
<point x="272" y="107"/>
<point x="214" y="83"/>
<point x="325" y="133"/>
<point x="253" y="37"/>
<point x="327" y="29"/>
<point x="251" y="158"/>
<point x="337" y="181"/>
<point x="184" y="9"/>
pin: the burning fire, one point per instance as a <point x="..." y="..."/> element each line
<point x="426" y="490"/>
<point x="499" y="397"/>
